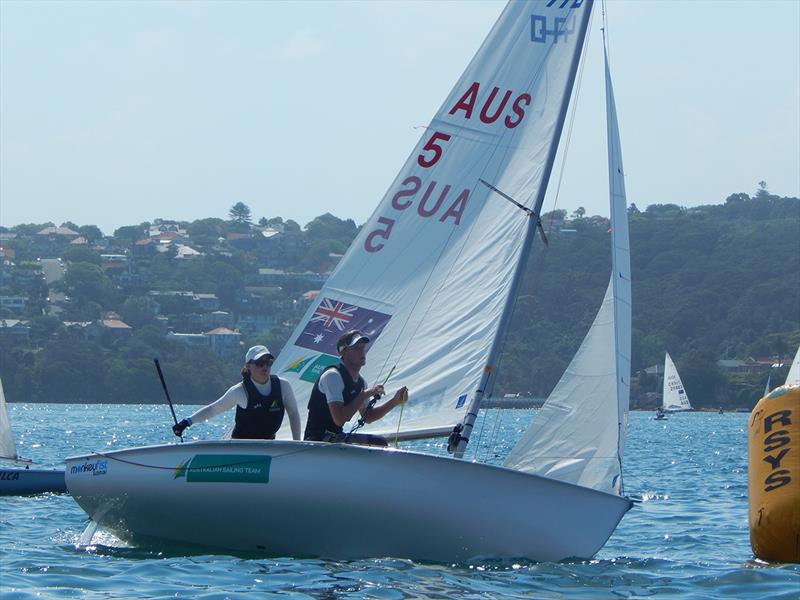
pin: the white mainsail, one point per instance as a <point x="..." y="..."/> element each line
<point x="589" y="405"/>
<point x="430" y="274"/>
<point x="674" y="395"/>
<point x="7" y="448"/>
<point x="793" y="377"/>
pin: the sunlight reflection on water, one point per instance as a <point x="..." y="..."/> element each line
<point x="687" y="538"/>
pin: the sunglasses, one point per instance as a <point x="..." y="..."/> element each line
<point x="263" y="362"/>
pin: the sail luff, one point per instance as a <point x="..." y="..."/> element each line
<point x="7" y="448"/>
<point x="793" y="377"/>
<point x="533" y="221"/>
<point x="578" y="434"/>
<point x="620" y="262"/>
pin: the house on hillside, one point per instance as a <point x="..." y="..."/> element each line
<point x="17" y="304"/>
<point x="144" y="248"/>
<point x="736" y="365"/>
<point x="223" y="340"/>
<point x="183" y="252"/>
<point x="57" y="233"/>
<point x="114" y="328"/>
<point x="15" y="330"/>
<point x="255" y="323"/>
<point x="196" y="339"/>
<point x="51" y="240"/>
<point x="165" y="228"/>
<point x="241" y="240"/>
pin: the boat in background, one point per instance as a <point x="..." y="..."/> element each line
<point x="431" y="278"/>
<point x="793" y="377"/>
<point x="674" y="396"/>
<point x="22" y="481"/>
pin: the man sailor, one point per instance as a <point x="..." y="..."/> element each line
<point x="340" y="393"/>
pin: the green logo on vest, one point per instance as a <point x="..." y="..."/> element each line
<point x="312" y="373"/>
<point x="225" y="468"/>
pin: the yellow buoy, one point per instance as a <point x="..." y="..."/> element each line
<point x="774" y="475"/>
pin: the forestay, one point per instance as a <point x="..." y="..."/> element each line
<point x="588" y="408"/>
<point x="430" y="273"/>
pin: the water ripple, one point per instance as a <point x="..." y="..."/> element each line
<point x="688" y="538"/>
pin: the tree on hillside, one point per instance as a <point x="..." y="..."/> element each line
<point x="328" y="227"/>
<point x="90" y="232"/>
<point x="29" y="229"/>
<point x="205" y="232"/>
<point x="87" y="281"/>
<point x="240" y="213"/>
<point x="127" y="235"/>
<point x="139" y="311"/>
<point x="75" y="254"/>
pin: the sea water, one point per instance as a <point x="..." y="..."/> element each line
<point x="687" y="538"/>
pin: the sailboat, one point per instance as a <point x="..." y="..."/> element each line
<point x="674" y="397"/>
<point x="431" y="278"/>
<point x="793" y="377"/>
<point x="22" y="481"/>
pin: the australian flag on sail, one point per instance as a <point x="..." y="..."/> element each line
<point x="332" y="318"/>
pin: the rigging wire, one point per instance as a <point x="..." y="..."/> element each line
<point x="495" y="429"/>
<point x="537" y="269"/>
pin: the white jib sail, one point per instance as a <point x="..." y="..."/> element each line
<point x="793" y="378"/>
<point x="578" y="435"/>
<point x="674" y="396"/>
<point x="428" y="276"/>
<point x="7" y="448"/>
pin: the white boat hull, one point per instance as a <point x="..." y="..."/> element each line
<point x="286" y="498"/>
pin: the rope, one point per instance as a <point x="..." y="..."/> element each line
<point x="232" y="464"/>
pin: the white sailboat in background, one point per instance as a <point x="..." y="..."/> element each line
<point x="674" y="397"/>
<point x="793" y="377"/>
<point x="431" y="278"/>
<point x="19" y="481"/>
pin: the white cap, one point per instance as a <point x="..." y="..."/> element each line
<point x="350" y="339"/>
<point x="256" y="352"/>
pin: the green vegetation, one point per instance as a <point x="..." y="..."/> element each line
<point x="709" y="283"/>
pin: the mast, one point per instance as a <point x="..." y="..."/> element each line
<point x="461" y="433"/>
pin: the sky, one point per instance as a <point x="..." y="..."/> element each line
<point x="116" y="113"/>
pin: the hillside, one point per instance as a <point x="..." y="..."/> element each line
<point x="709" y="283"/>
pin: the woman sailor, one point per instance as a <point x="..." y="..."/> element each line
<point x="261" y="399"/>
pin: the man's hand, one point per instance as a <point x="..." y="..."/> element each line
<point x="376" y="390"/>
<point x="400" y="396"/>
